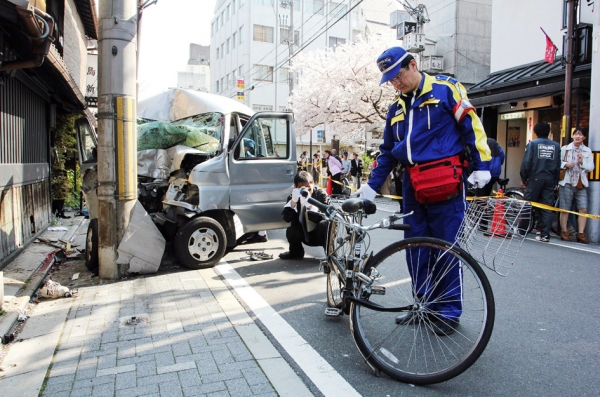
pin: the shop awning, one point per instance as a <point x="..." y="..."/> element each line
<point x="534" y="80"/>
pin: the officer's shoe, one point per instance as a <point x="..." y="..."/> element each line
<point x="445" y="326"/>
<point x="257" y="238"/>
<point x="290" y="255"/>
<point x="413" y="317"/>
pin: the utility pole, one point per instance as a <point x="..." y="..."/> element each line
<point x="593" y="226"/>
<point x="570" y="59"/>
<point x="117" y="146"/>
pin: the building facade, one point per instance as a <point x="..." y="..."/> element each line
<point x="197" y="72"/>
<point x="43" y="69"/>
<point x="523" y="88"/>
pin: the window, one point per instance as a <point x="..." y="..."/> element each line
<point x="241" y="34"/>
<point x="233" y="39"/>
<point x="217" y="53"/>
<point x="233" y="7"/>
<point x="226" y="87"/>
<point x="260" y="139"/>
<point x="336" y="10"/>
<point x="283" y="75"/>
<point x="335" y="41"/>
<point x="241" y="3"/>
<point x="263" y="33"/>
<point x="212" y="29"/>
<point x="222" y="83"/>
<point x="314" y="7"/>
<point x="268" y="3"/>
<point x="217" y="85"/>
<point x="222" y="17"/>
<point x="227" y="47"/>
<point x="263" y="73"/>
<point x="284" y="35"/>
<point x="227" y="13"/>
<point x="222" y="50"/>
<point x="240" y="74"/>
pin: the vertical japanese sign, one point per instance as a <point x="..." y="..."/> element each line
<point x="240" y="90"/>
<point x="91" y="80"/>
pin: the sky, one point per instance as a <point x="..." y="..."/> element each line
<point x="168" y="28"/>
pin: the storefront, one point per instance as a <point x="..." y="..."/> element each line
<point x="510" y="102"/>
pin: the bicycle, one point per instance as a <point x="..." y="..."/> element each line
<point x="375" y="289"/>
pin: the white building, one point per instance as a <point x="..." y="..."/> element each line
<point x="249" y="40"/>
<point x="197" y="72"/>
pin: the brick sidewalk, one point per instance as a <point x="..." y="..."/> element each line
<point x="187" y="347"/>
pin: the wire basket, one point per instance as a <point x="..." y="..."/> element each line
<point x="493" y="231"/>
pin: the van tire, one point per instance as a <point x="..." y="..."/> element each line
<point x="200" y="243"/>
<point x="91" y="246"/>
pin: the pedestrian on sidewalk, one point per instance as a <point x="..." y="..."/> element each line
<point x="578" y="161"/>
<point x="539" y="175"/>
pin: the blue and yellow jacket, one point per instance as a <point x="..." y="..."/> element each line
<point x="435" y="122"/>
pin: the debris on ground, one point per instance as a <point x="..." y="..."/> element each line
<point x="255" y="256"/>
<point x="52" y="289"/>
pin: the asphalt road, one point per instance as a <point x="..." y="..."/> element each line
<point x="545" y="340"/>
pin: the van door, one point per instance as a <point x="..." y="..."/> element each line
<point x="262" y="165"/>
<point x="87" y="144"/>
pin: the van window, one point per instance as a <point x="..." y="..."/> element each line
<point x="265" y="138"/>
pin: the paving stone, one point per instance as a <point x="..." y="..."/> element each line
<point x="181" y="349"/>
<point x="116" y="370"/>
<point x="107" y="361"/>
<point x="170" y="389"/>
<point x="254" y="376"/>
<point x="222" y="356"/>
<point x="52" y="380"/>
<point x="83" y="392"/>
<point x="138" y="391"/>
<point x="263" y="389"/>
<point x="155" y="379"/>
<point x="204" y="389"/>
<point x="238" y="387"/>
<point x="190" y="377"/>
<point x="210" y="378"/>
<point x="125" y="380"/>
<point x="104" y="390"/>
<point x="146" y="369"/>
<point x="165" y="358"/>
<point x="175" y="367"/>
<point x="236" y="366"/>
<point x="207" y="367"/>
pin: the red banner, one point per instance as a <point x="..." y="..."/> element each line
<point x="550" y="49"/>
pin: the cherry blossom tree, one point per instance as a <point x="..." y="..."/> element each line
<point x="340" y="87"/>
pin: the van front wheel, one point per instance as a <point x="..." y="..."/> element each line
<point x="200" y="243"/>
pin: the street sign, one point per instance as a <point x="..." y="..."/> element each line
<point x="320" y="136"/>
<point x="405" y="28"/>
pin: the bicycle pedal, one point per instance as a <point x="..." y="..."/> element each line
<point x="333" y="312"/>
<point x="378" y="290"/>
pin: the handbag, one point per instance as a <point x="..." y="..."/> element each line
<point x="563" y="171"/>
<point x="437" y="180"/>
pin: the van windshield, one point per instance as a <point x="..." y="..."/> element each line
<point x="203" y="132"/>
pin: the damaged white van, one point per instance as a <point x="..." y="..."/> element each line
<point x="209" y="171"/>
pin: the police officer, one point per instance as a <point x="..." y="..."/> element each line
<point x="430" y="119"/>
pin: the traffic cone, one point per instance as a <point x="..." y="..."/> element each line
<point x="498" y="227"/>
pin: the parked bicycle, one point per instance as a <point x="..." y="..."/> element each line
<point x="376" y="289"/>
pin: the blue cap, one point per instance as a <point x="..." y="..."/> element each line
<point x="390" y="62"/>
<point x="249" y="143"/>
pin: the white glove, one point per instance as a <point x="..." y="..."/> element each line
<point x="366" y="192"/>
<point x="296" y="195"/>
<point x="479" y="178"/>
<point x="305" y="202"/>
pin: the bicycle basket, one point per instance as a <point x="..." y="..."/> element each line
<point x="493" y="231"/>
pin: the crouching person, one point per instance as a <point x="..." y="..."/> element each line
<point x="305" y="227"/>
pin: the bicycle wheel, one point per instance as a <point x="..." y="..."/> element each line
<point x="338" y="249"/>
<point x="450" y="283"/>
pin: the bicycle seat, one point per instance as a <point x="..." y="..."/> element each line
<point x="355" y="204"/>
<point x="503" y="182"/>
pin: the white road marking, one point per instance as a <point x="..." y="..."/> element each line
<point x="323" y="375"/>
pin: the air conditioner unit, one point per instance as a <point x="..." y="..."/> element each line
<point x="432" y="63"/>
<point x="414" y="42"/>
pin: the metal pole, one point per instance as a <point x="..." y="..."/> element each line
<point x="593" y="226"/>
<point x="117" y="162"/>
<point x="566" y="122"/>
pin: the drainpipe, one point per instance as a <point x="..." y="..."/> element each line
<point x="566" y="121"/>
<point x="42" y="40"/>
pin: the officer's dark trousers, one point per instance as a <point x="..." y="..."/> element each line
<point x="540" y="191"/>
<point x="295" y="237"/>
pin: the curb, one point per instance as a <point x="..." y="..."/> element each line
<point x="19" y="303"/>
